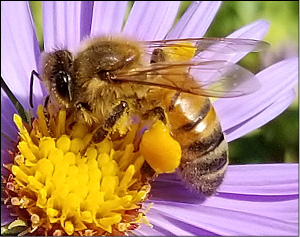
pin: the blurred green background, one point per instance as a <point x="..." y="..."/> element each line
<point x="277" y="141"/>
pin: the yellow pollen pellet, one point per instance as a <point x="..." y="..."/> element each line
<point x="63" y="143"/>
<point x="160" y="149"/>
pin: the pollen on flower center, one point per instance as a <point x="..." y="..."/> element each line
<point x="65" y="192"/>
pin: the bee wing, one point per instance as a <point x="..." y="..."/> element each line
<point x="206" y="78"/>
<point x="220" y="45"/>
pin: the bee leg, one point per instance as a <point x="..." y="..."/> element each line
<point x="45" y="110"/>
<point x="156" y="113"/>
<point x="158" y="55"/>
<point x="33" y="73"/>
<point x="46" y="113"/>
<point x="101" y="132"/>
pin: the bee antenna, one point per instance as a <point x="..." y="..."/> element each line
<point x="33" y="73"/>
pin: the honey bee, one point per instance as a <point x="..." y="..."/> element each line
<point x="167" y="80"/>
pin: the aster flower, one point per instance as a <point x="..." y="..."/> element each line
<point x="254" y="199"/>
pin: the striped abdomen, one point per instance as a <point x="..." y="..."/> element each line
<point x="195" y="126"/>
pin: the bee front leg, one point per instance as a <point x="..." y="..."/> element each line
<point x="101" y="132"/>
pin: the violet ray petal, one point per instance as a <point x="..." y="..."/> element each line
<point x="255" y="30"/>
<point x="262" y="179"/>
<point x="20" y="50"/>
<point x="145" y="230"/>
<point x="5" y="159"/>
<point x="151" y="20"/>
<point x="65" y="23"/>
<point x="8" y="127"/>
<point x="275" y="81"/>
<point x="108" y="17"/>
<point x="270" y="213"/>
<point x="6" y="218"/>
<point x="196" y="20"/>
<point x="7" y="112"/>
<point x="225" y="221"/>
<point x="169" y="225"/>
<point x="263" y="117"/>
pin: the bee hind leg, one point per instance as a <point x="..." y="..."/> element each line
<point x="156" y="113"/>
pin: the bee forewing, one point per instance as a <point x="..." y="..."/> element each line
<point x="230" y="80"/>
<point x="206" y="78"/>
<point x="220" y="45"/>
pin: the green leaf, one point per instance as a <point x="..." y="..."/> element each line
<point x="14" y="228"/>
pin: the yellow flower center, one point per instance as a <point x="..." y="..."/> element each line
<point x="63" y="190"/>
<point x="99" y="193"/>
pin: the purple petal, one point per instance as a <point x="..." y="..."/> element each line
<point x="6" y="218"/>
<point x="108" y="17"/>
<point x="263" y="179"/>
<point x="151" y="20"/>
<point x="65" y="24"/>
<point x="20" y="50"/>
<point x="276" y="81"/>
<point x="263" y="117"/>
<point x="7" y="112"/>
<point x="237" y="209"/>
<point x="255" y="30"/>
<point x="196" y="20"/>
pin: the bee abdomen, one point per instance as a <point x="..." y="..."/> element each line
<point x="206" y="172"/>
<point x="204" y="151"/>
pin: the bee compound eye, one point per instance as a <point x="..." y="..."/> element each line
<point x="62" y="84"/>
